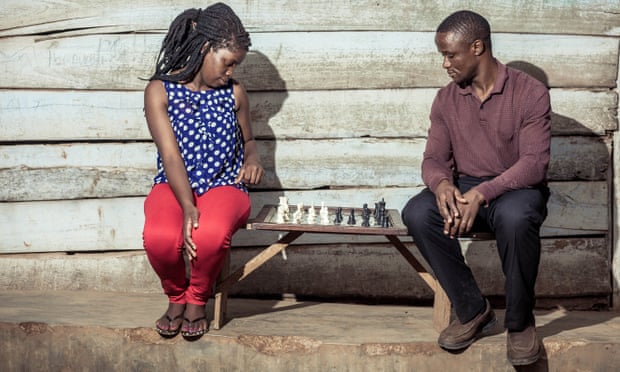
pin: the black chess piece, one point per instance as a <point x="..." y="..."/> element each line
<point x="366" y="220"/>
<point x="352" y="217"/>
<point x="381" y="218"/>
<point x="386" y="221"/>
<point x="338" y="218"/>
<point x="382" y="204"/>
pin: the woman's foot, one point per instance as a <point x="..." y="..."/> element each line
<point x="195" y="322"/>
<point x="169" y="324"/>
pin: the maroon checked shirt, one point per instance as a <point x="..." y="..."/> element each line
<point x="506" y="137"/>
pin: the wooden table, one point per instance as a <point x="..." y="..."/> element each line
<point x="265" y="220"/>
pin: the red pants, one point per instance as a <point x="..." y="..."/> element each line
<point x="223" y="210"/>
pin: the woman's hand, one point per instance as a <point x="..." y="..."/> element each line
<point x="190" y="218"/>
<point x="251" y="173"/>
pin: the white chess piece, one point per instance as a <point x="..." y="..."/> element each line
<point x="280" y="218"/>
<point x="324" y="213"/>
<point x="284" y="203"/>
<point x="299" y="213"/>
<point x="283" y="210"/>
<point x="311" y="218"/>
<point x="311" y="214"/>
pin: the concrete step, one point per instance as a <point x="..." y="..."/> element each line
<point x="106" y="331"/>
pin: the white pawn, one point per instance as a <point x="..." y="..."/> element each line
<point x="284" y="203"/>
<point x="280" y="216"/>
<point x="299" y="213"/>
<point x="324" y="213"/>
<point x="311" y="211"/>
<point x="283" y="210"/>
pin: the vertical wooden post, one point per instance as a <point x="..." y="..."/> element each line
<point x="441" y="308"/>
<point x="221" y="295"/>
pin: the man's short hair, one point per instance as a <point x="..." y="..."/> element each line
<point x="472" y="26"/>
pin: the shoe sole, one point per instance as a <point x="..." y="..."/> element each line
<point x="526" y="361"/>
<point x="483" y="332"/>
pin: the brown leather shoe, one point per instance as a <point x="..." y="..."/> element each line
<point x="523" y="347"/>
<point x="459" y="336"/>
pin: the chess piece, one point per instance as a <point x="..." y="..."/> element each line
<point x="324" y="213"/>
<point x="338" y="218"/>
<point x="380" y="214"/>
<point x="351" y="217"/>
<point x="283" y="201"/>
<point x="280" y="218"/>
<point x="365" y="215"/>
<point x="387" y="222"/>
<point x="283" y="210"/>
<point x="299" y="213"/>
<point x="381" y="219"/>
<point x="311" y="214"/>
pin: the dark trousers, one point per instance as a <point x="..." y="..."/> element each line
<point x="515" y="218"/>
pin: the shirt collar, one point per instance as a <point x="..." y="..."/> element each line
<point x="498" y="86"/>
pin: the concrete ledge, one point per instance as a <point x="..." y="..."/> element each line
<point x="102" y="331"/>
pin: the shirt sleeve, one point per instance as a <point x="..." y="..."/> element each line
<point x="437" y="162"/>
<point x="534" y="148"/>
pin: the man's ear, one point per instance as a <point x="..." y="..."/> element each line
<point x="478" y="47"/>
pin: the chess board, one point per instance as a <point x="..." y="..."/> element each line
<point x="267" y="219"/>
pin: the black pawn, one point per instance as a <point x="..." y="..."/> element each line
<point x="338" y="219"/>
<point x="352" y="218"/>
<point x="366" y="220"/>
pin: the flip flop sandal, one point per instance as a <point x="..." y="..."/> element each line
<point x="194" y="334"/>
<point x="170" y="332"/>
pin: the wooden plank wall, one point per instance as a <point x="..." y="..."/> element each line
<point x="340" y="95"/>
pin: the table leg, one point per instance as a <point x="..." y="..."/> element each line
<point x="221" y="295"/>
<point x="221" y="290"/>
<point x="441" y="304"/>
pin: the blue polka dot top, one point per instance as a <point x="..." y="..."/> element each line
<point x="209" y="137"/>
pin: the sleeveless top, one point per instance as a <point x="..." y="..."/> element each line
<point x="209" y="137"/>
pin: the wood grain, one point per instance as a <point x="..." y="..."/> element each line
<point x="301" y="61"/>
<point x="47" y="115"/>
<point x="104" y="224"/>
<point x="538" y="16"/>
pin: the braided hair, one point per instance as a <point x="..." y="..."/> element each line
<point x="182" y="51"/>
<point x="471" y="26"/>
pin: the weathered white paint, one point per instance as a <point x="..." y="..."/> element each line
<point x="311" y="89"/>
<point x="300" y="61"/>
<point x="582" y="203"/>
<point x="615" y="212"/>
<point x="41" y="115"/>
<point x="537" y="16"/>
<point x="385" y="272"/>
<point x="73" y="171"/>
<point x="615" y="228"/>
<point x="116" y="223"/>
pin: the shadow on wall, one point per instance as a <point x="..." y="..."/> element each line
<point x="267" y="91"/>
<point x="549" y="274"/>
<point x="568" y="166"/>
<point x="561" y="125"/>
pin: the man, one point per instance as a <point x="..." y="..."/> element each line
<point x="484" y="166"/>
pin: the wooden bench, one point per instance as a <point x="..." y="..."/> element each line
<point x="263" y="221"/>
